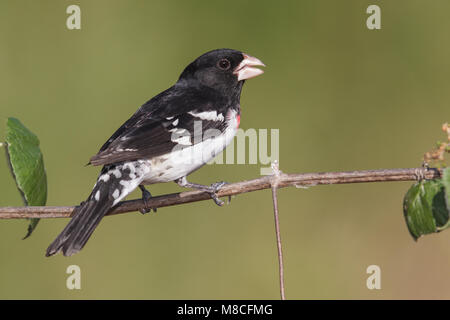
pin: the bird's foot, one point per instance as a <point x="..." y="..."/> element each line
<point x="146" y="195"/>
<point x="215" y="187"/>
<point x="212" y="189"/>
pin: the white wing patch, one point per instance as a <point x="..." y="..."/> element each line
<point x="180" y="136"/>
<point x="116" y="194"/>
<point x="117" y="173"/>
<point x="104" y="177"/>
<point x="184" y="140"/>
<point x="208" y="115"/>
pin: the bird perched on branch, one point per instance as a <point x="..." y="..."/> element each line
<point x="169" y="137"/>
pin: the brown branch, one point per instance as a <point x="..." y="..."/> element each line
<point x="275" y="181"/>
<point x="284" y="180"/>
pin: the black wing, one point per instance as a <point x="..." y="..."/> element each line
<point x="157" y="126"/>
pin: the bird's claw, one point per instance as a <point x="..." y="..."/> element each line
<point x="215" y="187"/>
<point x="212" y="189"/>
<point x="218" y="185"/>
<point x="146" y="195"/>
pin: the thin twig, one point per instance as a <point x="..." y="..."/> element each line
<point x="285" y="180"/>
<point x="275" y="181"/>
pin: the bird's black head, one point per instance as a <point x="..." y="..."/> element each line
<point x="221" y="69"/>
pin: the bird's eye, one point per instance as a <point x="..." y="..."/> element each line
<point x="224" y="64"/>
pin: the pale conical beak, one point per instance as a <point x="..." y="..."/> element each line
<point x="245" y="70"/>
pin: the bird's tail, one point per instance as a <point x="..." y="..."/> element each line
<point x="114" y="183"/>
<point x="75" y="235"/>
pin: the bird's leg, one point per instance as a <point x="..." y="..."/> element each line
<point x="212" y="189"/>
<point x="146" y="195"/>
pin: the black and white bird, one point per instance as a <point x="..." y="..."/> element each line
<point x="169" y="137"/>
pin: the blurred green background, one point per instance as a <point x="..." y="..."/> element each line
<point x="343" y="97"/>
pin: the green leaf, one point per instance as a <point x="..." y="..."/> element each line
<point x="425" y="208"/>
<point x="446" y="182"/>
<point x="27" y="166"/>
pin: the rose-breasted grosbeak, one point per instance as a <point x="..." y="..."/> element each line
<point x="168" y="137"/>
